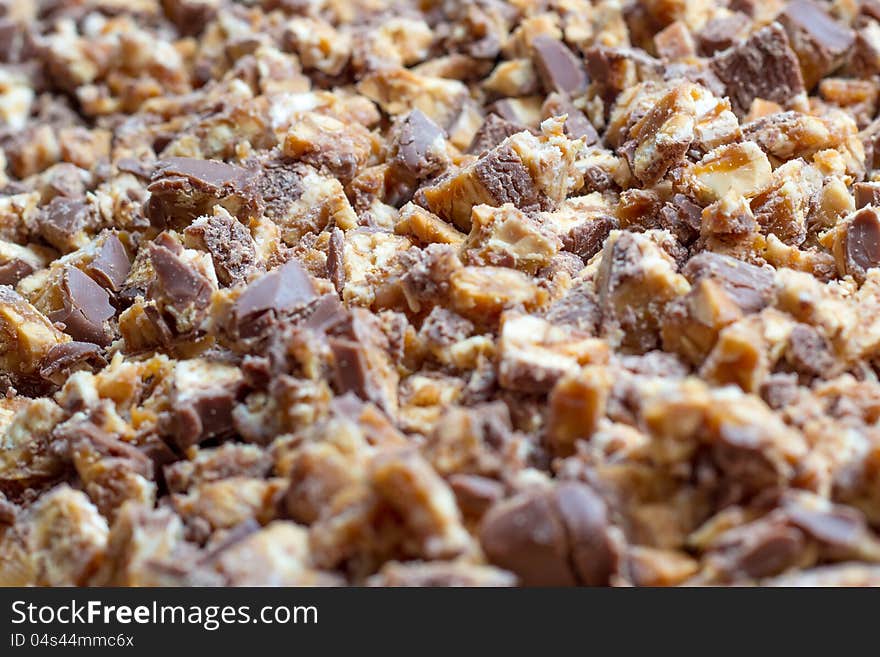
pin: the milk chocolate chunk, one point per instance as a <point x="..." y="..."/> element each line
<point x="681" y="217"/>
<point x="13" y="271"/>
<point x="866" y="193"/>
<point x="586" y="240"/>
<point x="475" y="494"/>
<point x="136" y="167"/>
<point x="205" y="416"/>
<point x="764" y="66"/>
<point x="111" y="265"/>
<point x="507" y="180"/>
<point x="278" y="185"/>
<point x="763" y="549"/>
<point x="862" y="244"/>
<point x="203" y="395"/>
<point x="85" y="308"/>
<point x="361" y="363"/>
<point x="809" y="353"/>
<point x="492" y="132"/>
<point x="577" y="125"/>
<point x="496" y="178"/>
<point x="614" y="69"/>
<point x="62" y="221"/>
<point x="593" y="554"/>
<point x="184" y="188"/>
<point x="279" y="291"/>
<point x="526" y="536"/>
<point x="66" y="357"/>
<point x="230" y="244"/>
<point x="820" y="42"/>
<point x="579" y="308"/>
<point x="420" y="145"/>
<point x="558" y="68"/>
<point x="177" y="284"/>
<point x="554" y="537"/>
<point x="723" y="32"/>
<point x="751" y="287"/>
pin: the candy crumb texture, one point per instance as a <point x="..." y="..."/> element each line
<point x="406" y="293"/>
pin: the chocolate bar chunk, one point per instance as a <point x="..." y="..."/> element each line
<point x="820" y="42"/>
<point x="764" y="66"/>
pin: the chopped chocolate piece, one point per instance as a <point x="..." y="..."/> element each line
<point x="64" y="358"/>
<point x="278" y="185"/>
<point x="614" y="69"/>
<point x="135" y="167"/>
<point x="62" y="222"/>
<point x="820" y="42"/>
<point x="110" y="266"/>
<point x="577" y="125"/>
<point x="177" y="285"/>
<point x="190" y="16"/>
<point x="493" y="131"/>
<point x="586" y="239"/>
<point x="500" y="176"/>
<point x="475" y="494"/>
<point x="749" y="286"/>
<point x="184" y="188"/>
<point x="578" y="309"/>
<point x="721" y="33"/>
<point x="866" y="193"/>
<point x="86" y="307"/>
<point x="202" y="400"/>
<point x="557" y="537"/>
<point x="682" y="217"/>
<point x="557" y="67"/>
<point x="361" y="363"/>
<point x="507" y="180"/>
<point x="809" y="353"/>
<point x="862" y="245"/>
<point x="764" y="66"/>
<point x="420" y="145"/>
<point x="662" y="138"/>
<point x="230" y="244"/>
<point x="761" y="549"/>
<point x="277" y="292"/>
<point x="13" y="271"/>
<point x="633" y="293"/>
